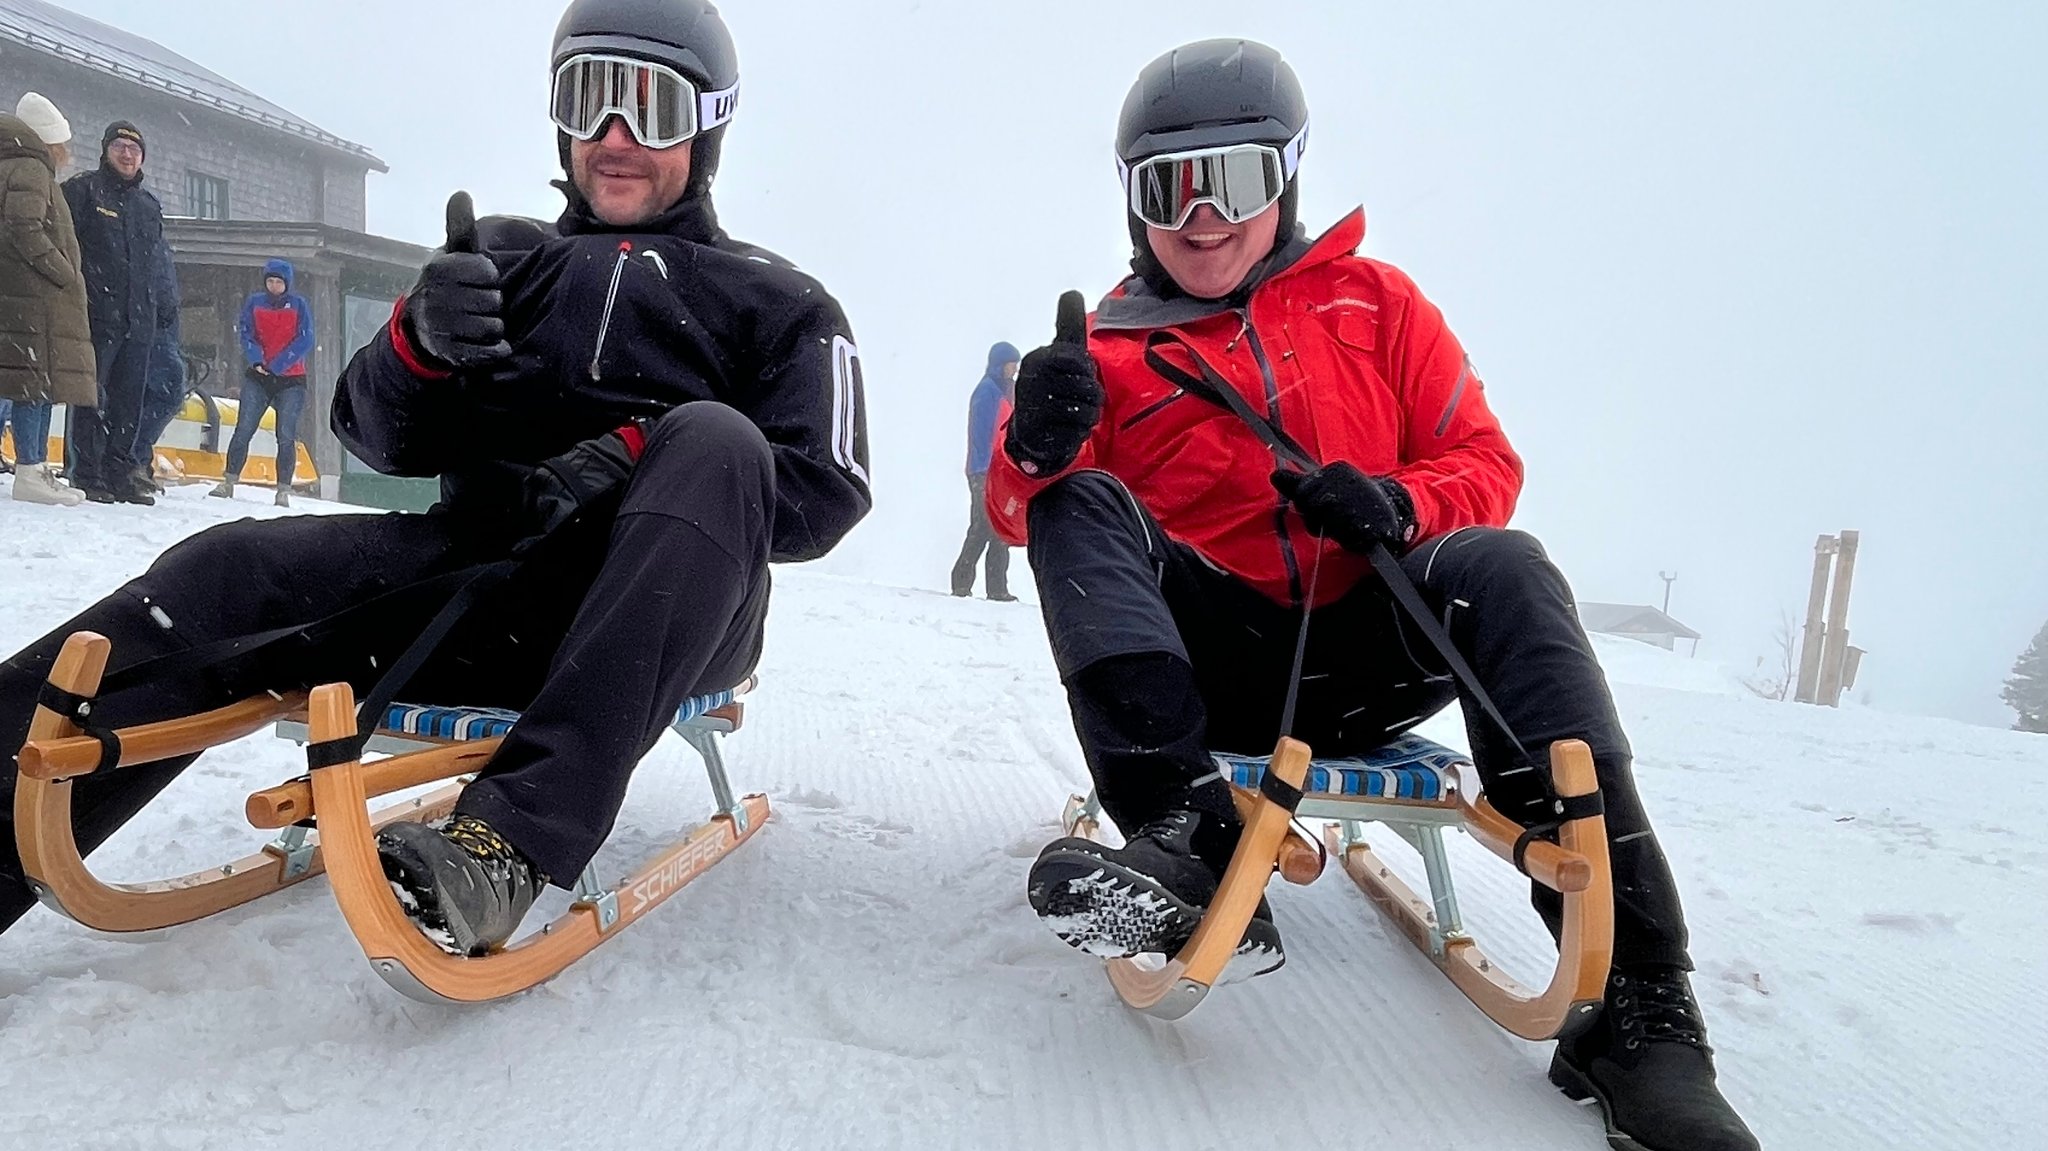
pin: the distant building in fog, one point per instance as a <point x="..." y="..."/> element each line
<point x="241" y="180"/>
<point x="1646" y="624"/>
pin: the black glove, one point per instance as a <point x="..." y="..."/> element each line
<point x="454" y="314"/>
<point x="1059" y="396"/>
<point x="1341" y="503"/>
<point x="593" y="472"/>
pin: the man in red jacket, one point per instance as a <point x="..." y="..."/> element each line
<point x="1249" y="417"/>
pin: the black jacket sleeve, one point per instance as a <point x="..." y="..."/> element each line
<point x="810" y="406"/>
<point x="393" y="420"/>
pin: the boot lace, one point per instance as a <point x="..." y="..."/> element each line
<point x="481" y="842"/>
<point x="1657" y="1008"/>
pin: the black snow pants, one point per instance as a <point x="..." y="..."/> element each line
<point x="597" y="639"/>
<point x="1125" y="605"/>
<point x="100" y="442"/>
<point x="981" y="536"/>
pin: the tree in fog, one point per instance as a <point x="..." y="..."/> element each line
<point x="2027" y="691"/>
<point x="1776" y="674"/>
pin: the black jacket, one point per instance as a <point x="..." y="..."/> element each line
<point x="121" y="243"/>
<point x="607" y="325"/>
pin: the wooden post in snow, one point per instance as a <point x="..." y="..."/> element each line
<point x="1812" y="636"/>
<point x="1836" y="651"/>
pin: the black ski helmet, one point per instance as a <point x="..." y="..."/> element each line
<point x="687" y="35"/>
<point x="1209" y="93"/>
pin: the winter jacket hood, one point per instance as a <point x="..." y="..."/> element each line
<point x="1351" y="361"/>
<point x="281" y="269"/>
<point x="986" y="406"/>
<point x="46" y="353"/>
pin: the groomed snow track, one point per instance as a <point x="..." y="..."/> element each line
<point x="1865" y="893"/>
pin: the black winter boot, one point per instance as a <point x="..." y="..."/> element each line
<point x="461" y="882"/>
<point x="1647" y="1063"/>
<point x="1147" y="896"/>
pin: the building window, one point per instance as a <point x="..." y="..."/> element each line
<point x="207" y="196"/>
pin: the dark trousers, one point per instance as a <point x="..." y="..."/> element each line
<point x="981" y="535"/>
<point x="598" y="638"/>
<point x="1114" y="587"/>
<point x="102" y="439"/>
<point x="285" y="394"/>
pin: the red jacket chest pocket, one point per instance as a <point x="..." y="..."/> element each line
<point x="1355" y="410"/>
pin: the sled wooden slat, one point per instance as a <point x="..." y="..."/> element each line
<point x="292" y="801"/>
<point x="1585" y="948"/>
<point x="1175" y="989"/>
<point x="49" y="849"/>
<point x="410" y="961"/>
<point x="72" y="755"/>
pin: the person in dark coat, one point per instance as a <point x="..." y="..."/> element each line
<point x="121" y="238"/>
<point x="276" y="327"/>
<point x="164" y="394"/>
<point x="640" y="410"/>
<point x="985" y="409"/>
<point x="46" y="352"/>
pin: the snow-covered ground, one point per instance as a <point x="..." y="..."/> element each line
<point x="1867" y="896"/>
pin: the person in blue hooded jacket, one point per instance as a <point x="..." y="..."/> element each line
<point x="984" y="415"/>
<point x="277" y="336"/>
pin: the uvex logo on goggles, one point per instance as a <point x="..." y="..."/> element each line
<point x="661" y="106"/>
<point x="1239" y="180"/>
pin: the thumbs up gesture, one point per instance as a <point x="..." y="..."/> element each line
<point x="1059" y="396"/>
<point x="455" y="313"/>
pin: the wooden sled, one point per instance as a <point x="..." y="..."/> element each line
<point x="331" y="803"/>
<point x="1417" y="788"/>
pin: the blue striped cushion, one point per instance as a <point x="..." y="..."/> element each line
<point x="462" y="724"/>
<point x="1410" y="768"/>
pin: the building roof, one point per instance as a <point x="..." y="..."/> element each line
<point x="66" y="35"/>
<point x="1631" y="619"/>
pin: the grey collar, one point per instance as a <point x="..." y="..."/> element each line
<point x="1139" y="308"/>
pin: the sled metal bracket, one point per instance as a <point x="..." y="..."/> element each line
<point x="1184" y="998"/>
<point x="291" y="847"/>
<point x="592" y="893"/>
<point x="705" y="740"/>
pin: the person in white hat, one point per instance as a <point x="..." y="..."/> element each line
<point x="50" y="360"/>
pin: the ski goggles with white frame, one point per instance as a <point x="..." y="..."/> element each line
<point x="1238" y="180"/>
<point x="661" y="106"/>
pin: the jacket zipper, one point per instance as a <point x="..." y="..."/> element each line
<point x="1258" y="350"/>
<point x="1152" y="410"/>
<point x="611" y="299"/>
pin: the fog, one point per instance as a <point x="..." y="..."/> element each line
<point x="1736" y="275"/>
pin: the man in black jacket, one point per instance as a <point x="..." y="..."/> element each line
<point x="130" y="293"/>
<point x="644" y="410"/>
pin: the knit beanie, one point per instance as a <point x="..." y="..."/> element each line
<point x="123" y="130"/>
<point x="43" y="118"/>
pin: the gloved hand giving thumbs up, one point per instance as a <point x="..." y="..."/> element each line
<point x="1059" y="396"/>
<point x="455" y="313"/>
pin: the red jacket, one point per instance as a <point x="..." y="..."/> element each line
<point x="1362" y="368"/>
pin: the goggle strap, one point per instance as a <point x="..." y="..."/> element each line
<point x="715" y="108"/>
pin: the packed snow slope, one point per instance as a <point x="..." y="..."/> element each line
<point x="1866" y="899"/>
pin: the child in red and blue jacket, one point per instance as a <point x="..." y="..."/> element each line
<point x="277" y="335"/>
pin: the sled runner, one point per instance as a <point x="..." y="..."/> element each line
<point x="1417" y="788"/>
<point x="325" y="823"/>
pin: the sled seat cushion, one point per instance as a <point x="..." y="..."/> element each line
<point x="1411" y="769"/>
<point x="462" y="724"/>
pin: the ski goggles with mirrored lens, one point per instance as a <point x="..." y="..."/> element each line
<point x="1239" y="180"/>
<point x="661" y="106"/>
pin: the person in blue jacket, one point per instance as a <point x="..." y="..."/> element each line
<point x="984" y="415"/>
<point x="277" y="336"/>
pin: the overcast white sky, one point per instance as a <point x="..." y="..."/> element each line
<point x="1736" y="274"/>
